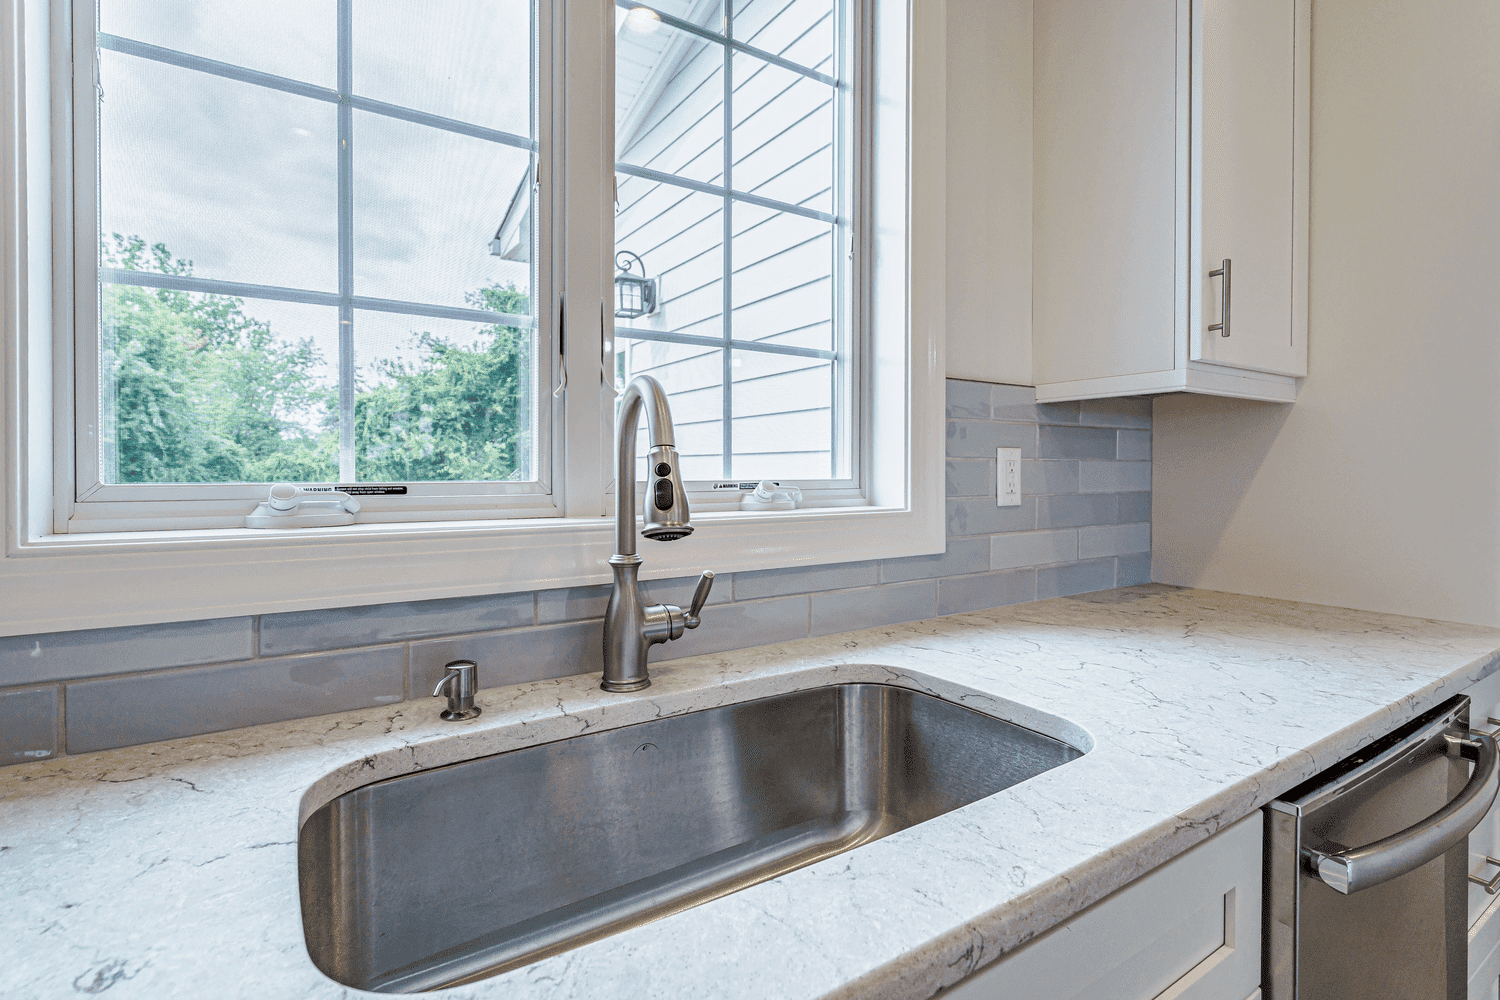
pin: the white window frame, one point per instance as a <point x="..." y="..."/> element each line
<point x="91" y="505"/>
<point x="853" y="62"/>
<point x="54" y="580"/>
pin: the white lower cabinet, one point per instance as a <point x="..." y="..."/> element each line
<point x="1484" y="842"/>
<point x="1484" y="956"/>
<point x="1190" y="930"/>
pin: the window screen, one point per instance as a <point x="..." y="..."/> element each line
<point x="316" y="256"/>
<point x="732" y="230"/>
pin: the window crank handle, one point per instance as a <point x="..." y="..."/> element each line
<point x="700" y="598"/>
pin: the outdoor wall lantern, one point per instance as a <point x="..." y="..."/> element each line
<point x="635" y="294"/>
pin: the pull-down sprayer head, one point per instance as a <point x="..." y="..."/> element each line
<point x="666" y="505"/>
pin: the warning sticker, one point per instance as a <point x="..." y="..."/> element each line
<point x="374" y="491"/>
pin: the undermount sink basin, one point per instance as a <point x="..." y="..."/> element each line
<point x="461" y="872"/>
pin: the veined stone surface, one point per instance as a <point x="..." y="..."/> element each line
<point x="169" y="870"/>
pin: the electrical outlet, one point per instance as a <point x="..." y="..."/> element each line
<point x="1007" y="477"/>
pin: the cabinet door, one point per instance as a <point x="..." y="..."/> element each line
<point x="1188" y="931"/>
<point x="1250" y="156"/>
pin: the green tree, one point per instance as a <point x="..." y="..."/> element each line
<point x="455" y="413"/>
<point x="201" y="392"/>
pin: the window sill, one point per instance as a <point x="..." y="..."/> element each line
<point x="66" y="582"/>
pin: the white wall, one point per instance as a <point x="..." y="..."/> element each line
<point x="1380" y="488"/>
<point x="989" y="190"/>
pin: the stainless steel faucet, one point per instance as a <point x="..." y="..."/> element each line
<point x="630" y="629"/>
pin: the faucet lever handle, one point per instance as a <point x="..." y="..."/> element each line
<point x="700" y="598"/>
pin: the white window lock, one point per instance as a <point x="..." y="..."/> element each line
<point x="291" y="506"/>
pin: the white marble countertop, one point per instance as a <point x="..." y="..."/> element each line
<point x="170" y="870"/>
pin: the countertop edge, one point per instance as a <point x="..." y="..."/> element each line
<point x="1021" y="920"/>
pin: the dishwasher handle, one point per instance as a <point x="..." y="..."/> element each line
<point x="1356" y="868"/>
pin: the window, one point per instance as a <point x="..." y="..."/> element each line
<point x="437" y="251"/>
<point x="309" y="261"/>
<point x="735" y="174"/>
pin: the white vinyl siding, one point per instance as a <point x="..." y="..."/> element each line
<point x="789" y="363"/>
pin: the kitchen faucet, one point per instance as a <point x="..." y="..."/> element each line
<point x="630" y="629"/>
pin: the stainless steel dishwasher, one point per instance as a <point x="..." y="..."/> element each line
<point x="1367" y="867"/>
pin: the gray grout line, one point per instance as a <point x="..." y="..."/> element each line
<point x="62" y="720"/>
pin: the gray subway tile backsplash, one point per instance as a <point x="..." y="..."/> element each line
<point x="986" y="590"/>
<point x="1134" y="446"/>
<point x="1043" y="477"/>
<point x="1076" y="442"/>
<point x="1034" y="548"/>
<point x="571" y="604"/>
<point x="980" y="438"/>
<point x="121" y="711"/>
<point x="1113" y="540"/>
<point x="1125" y="411"/>
<point x="1078" y="510"/>
<point x="741" y="624"/>
<point x="1083" y="525"/>
<point x="968" y="399"/>
<point x="26" y="659"/>
<point x="1133" y="569"/>
<point x="28" y="723"/>
<point x="343" y="628"/>
<point x="847" y="610"/>
<point x="1075" y="578"/>
<point x="512" y="656"/>
<point x="1114" y="477"/>
<point x="963" y="555"/>
<point x="1134" y="507"/>
<point x="980" y="516"/>
<point x="804" y="579"/>
<point x="969" y="477"/>
<point x="679" y="590"/>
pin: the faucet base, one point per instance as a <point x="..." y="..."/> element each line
<point x="626" y="685"/>
<point x="449" y="715"/>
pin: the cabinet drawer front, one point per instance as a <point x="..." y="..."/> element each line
<point x="1484" y="841"/>
<point x="1188" y="931"/>
<point x="1484" y="957"/>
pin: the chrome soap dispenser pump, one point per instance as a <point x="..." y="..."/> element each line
<point x="630" y="628"/>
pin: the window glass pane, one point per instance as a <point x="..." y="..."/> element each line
<point x="783" y="278"/>
<point x="678" y="236"/>
<point x="215" y="389"/>
<point x="783" y="134"/>
<point x="240" y="180"/>
<point x="802" y="31"/>
<point x="694" y="379"/>
<point x="440" y="399"/>
<point x="669" y="101"/>
<point x="783" y="416"/>
<point x="428" y="206"/>
<point x="783" y="272"/>
<point x="226" y="182"/>
<point x="467" y="60"/>
<point x="290" y="38"/>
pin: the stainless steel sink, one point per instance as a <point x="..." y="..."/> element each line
<point x="461" y="872"/>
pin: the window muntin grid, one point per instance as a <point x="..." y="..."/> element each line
<point x="340" y="294"/>
<point x="814" y="348"/>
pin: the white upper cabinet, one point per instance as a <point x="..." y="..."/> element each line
<point x="1171" y="136"/>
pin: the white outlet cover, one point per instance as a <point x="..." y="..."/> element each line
<point x="1007" y="477"/>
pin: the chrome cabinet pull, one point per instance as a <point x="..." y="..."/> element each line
<point x="1351" y="869"/>
<point x="1493" y="885"/>
<point x="1223" y="324"/>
